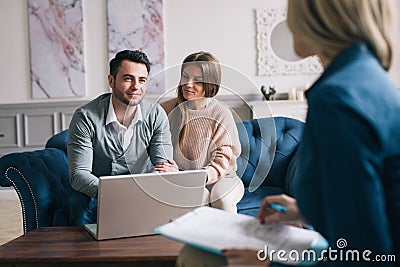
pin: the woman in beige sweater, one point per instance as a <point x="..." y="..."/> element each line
<point x="204" y="133"/>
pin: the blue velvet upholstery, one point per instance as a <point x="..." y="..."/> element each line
<point x="268" y="156"/>
<point x="59" y="141"/>
<point x="41" y="177"/>
<point x="42" y="183"/>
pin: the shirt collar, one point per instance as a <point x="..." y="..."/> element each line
<point x="111" y="117"/>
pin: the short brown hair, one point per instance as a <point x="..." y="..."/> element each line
<point x="211" y="71"/>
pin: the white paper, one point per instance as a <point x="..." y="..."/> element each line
<point x="215" y="230"/>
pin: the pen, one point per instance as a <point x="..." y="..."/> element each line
<point x="277" y="207"/>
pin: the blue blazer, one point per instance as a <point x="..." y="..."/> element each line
<point x="349" y="182"/>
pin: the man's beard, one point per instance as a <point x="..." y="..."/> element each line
<point x="129" y="102"/>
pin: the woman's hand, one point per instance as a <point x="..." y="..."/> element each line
<point x="268" y="215"/>
<point x="169" y="166"/>
<point x="244" y="257"/>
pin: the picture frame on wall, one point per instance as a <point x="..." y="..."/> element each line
<point x="56" y="49"/>
<point x="139" y="25"/>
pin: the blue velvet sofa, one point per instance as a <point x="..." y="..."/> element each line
<point x="269" y="160"/>
<point x="267" y="165"/>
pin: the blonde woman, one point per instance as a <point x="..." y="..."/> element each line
<point x="204" y="133"/>
<point x="348" y="186"/>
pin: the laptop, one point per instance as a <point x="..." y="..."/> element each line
<point x="135" y="204"/>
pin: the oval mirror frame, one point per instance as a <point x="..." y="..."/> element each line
<point x="269" y="20"/>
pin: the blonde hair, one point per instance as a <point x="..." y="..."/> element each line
<point x="337" y="24"/>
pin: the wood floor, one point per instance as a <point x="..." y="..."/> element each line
<point x="10" y="215"/>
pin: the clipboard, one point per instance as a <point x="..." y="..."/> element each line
<point x="215" y="230"/>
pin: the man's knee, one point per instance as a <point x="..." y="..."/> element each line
<point x="82" y="210"/>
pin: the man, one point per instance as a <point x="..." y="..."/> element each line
<point x="117" y="132"/>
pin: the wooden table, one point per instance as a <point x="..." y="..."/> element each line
<point x="73" y="246"/>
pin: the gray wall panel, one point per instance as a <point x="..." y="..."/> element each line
<point x="10" y="130"/>
<point x="39" y="127"/>
<point x="66" y="119"/>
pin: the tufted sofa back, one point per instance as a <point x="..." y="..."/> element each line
<point x="268" y="146"/>
<point x="59" y="141"/>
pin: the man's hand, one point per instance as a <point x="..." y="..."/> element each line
<point x="169" y="166"/>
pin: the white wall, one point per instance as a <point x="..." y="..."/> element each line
<point x="14" y="50"/>
<point x="225" y="28"/>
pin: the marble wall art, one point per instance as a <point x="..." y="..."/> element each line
<point x="139" y="25"/>
<point x="56" y="46"/>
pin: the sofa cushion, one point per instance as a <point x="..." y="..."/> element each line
<point x="251" y="201"/>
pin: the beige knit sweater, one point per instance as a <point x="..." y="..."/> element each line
<point x="211" y="142"/>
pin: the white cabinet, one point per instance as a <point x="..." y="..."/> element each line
<point x="288" y="108"/>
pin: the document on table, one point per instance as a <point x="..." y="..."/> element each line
<point x="214" y="230"/>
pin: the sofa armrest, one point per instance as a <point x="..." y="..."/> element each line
<point x="288" y="135"/>
<point x="41" y="181"/>
<point x="291" y="173"/>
